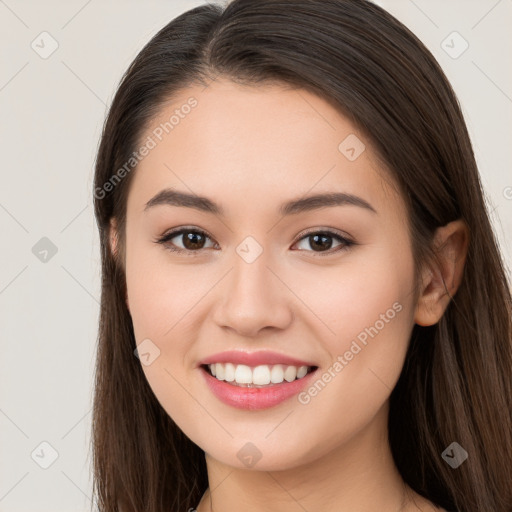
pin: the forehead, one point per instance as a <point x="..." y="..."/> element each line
<point x="238" y="143"/>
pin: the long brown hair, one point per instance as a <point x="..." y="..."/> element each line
<point x="455" y="385"/>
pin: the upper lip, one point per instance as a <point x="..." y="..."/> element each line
<point x="253" y="358"/>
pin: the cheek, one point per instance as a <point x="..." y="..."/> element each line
<point x="367" y="306"/>
<point x="160" y="298"/>
<point x="159" y="293"/>
<point x="355" y="295"/>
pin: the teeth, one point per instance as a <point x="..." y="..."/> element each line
<point x="219" y="372"/>
<point x="302" y="371"/>
<point x="243" y="374"/>
<point x="262" y="375"/>
<point x="290" y="373"/>
<point x="229" y="372"/>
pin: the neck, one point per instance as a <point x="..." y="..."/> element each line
<point x="358" y="475"/>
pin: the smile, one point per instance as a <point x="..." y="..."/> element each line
<point x="242" y="391"/>
<point x="261" y="375"/>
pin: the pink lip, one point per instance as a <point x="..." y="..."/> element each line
<point x="253" y="358"/>
<point x="255" y="398"/>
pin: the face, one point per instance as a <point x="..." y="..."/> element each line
<point x="327" y="284"/>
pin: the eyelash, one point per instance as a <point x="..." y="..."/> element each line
<point x="180" y="231"/>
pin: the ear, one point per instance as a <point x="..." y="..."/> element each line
<point x="114" y="246"/>
<point x="441" y="280"/>
<point x="113" y="236"/>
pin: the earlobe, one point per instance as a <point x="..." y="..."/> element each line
<point x="441" y="280"/>
<point x="113" y="237"/>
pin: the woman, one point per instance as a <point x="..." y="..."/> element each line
<point x="303" y="302"/>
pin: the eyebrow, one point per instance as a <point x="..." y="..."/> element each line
<point x="172" y="197"/>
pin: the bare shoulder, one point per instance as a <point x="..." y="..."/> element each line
<point x="419" y="503"/>
<point x="426" y="506"/>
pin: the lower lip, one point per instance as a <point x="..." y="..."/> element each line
<point x="255" y="398"/>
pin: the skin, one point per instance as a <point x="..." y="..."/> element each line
<point x="250" y="149"/>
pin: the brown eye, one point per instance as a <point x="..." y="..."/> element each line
<point x="192" y="240"/>
<point x="322" y="242"/>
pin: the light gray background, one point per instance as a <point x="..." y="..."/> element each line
<point x="52" y="112"/>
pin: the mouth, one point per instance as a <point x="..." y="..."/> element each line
<point x="256" y="380"/>
<point x="261" y="376"/>
<point x="253" y="388"/>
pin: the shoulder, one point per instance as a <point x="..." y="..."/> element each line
<point x="425" y="505"/>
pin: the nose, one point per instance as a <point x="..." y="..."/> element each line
<point x="253" y="298"/>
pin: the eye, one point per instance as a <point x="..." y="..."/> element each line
<point x="322" y="240"/>
<point x="193" y="241"/>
